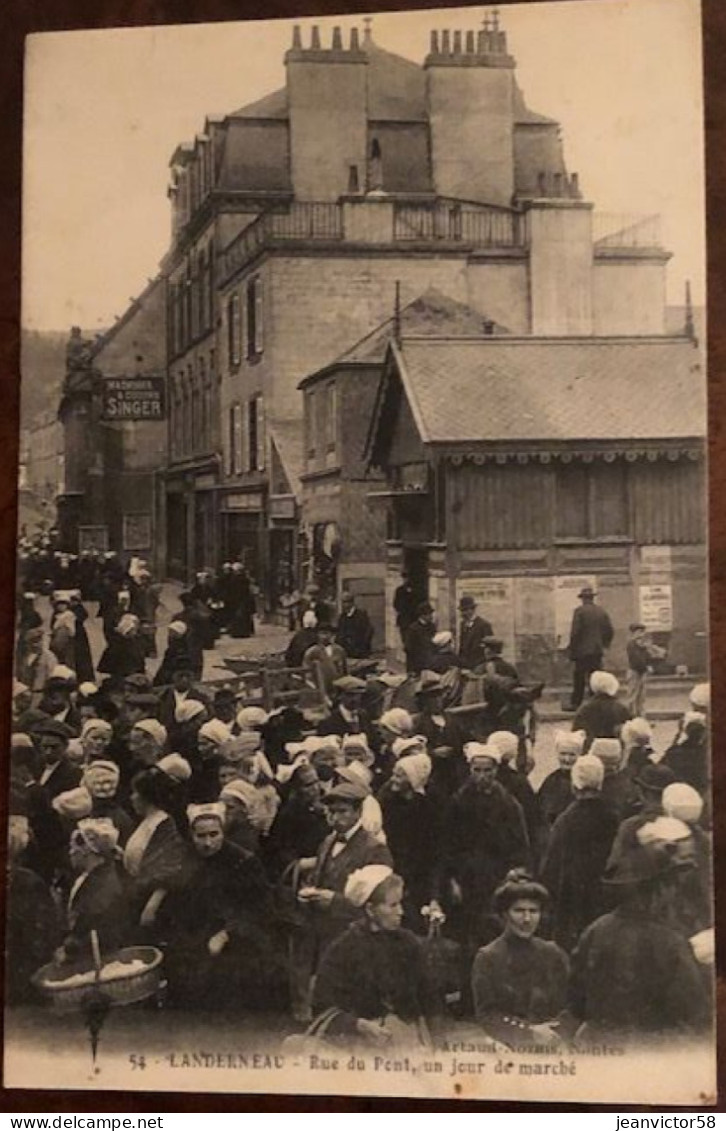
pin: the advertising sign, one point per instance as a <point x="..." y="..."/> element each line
<point x="134" y="398"/>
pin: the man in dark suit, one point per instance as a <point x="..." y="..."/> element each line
<point x="355" y="631"/>
<point x="472" y="631"/>
<point x="347" y="715"/>
<point x="418" y="640"/>
<point x="347" y="848"/>
<point x="57" y="776"/>
<point x="591" y="634"/>
<point x="406" y="600"/>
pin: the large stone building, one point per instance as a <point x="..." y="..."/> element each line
<point x="295" y="220"/>
<point x="114" y="426"/>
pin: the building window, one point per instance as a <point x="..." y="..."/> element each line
<point x="236" y="440"/>
<point x="210" y="286"/>
<point x="255" y="328"/>
<point x="234" y="331"/>
<point x="310" y="409"/>
<point x="591" y="501"/>
<point x="331" y="417"/>
<point x="188" y="306"/>
<point x="203" y="407"/>
<point x="256" y="434"/>
<point x="202" y="281"/>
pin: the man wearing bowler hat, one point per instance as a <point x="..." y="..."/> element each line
<point x="472" y="631"/>
<point x="591" y="634"/>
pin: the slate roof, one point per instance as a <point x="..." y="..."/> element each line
<point x="396" y="87"/>
<point x="287" y="436"/>
<point x="529" y="390"/>
<point x="430" y="315"/>
<point x="396" y="93"/>
<point x="271" y="106"/>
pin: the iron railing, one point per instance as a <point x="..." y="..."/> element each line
<point x="459" y="223"/>
<point x="470" y="225"/>
<point x="624" y="230"/>
<point x="313" y="221"/>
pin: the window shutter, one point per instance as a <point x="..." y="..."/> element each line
<point x="261" y="439"/>
<point x="259" y="315"/>
<point x="238" y="439"/>
<point x="245" y="439"/>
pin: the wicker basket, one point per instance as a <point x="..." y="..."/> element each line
<point x="121" y="990"/>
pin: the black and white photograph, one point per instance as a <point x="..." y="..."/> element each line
<point x="361" y="701"/>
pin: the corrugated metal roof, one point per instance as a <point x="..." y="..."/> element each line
<point x="495" y="389"/>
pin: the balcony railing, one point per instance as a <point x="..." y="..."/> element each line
<point x="436" y="222"/>
<point x="458" y="223"/>
<point x="622" y="230"/>
<point x="315" y="221"/>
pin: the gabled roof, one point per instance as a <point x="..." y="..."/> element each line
<point x="396" y="87"/>
<point x="520" y="390"/>
<point x="430" y="315"/>
<point x="271" y="106"/>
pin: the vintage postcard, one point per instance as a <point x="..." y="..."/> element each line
<point x="361" y="706"/>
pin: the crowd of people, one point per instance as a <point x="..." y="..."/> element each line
<point x="391" y="870"/>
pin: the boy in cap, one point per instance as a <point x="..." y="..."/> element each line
<point x="641" y="653"/>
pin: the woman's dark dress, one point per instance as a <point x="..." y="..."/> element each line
<point x="413" y="834"/>
<point x="227" y="891"/>
<point x="517" y="983"/>
<point x="370" y="974"/>
<point x="33" y="932"/>
<point x="83" y="662"/>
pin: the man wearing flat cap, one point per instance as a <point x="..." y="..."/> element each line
<point x="591" y="634"/>
<point x="348" y="715"/>
<point x="57" y="776"/>
<point x="472" y="631"/>
<point x="347" y="848"/>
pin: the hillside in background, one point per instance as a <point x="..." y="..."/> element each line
<point x="42" y="368"/>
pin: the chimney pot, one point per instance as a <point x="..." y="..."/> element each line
<point x="470" y="43"/>
<point x="434" y="43"/>
<point x="315" y="39"/>
<point x="457" y="43"/>
<point x="367" y="32"/>
<point x="337" y="43"/>
<point x="445" y="43"/>
<point x="354" y="40"/>
<point x="296" y="38"/>
<point x="481" y="43"/>
<point x="558" y="184"/>
<point x="541" y="184"/>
